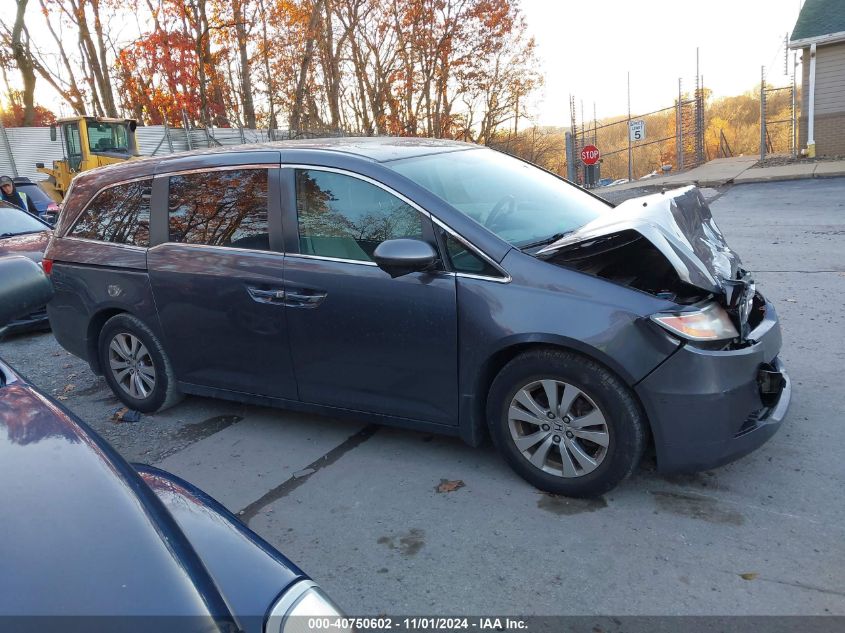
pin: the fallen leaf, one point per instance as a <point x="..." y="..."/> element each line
<point x="117" y="416"/>
<point x="68" y="389"/>
<point x="749" y="575"/>
<point x="449" y="486"/>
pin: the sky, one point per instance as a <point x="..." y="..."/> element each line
<point x="589" y="46"/>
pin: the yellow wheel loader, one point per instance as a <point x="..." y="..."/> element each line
<point x="87" y="142"/>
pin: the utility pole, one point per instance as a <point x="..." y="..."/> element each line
<point x="630" y="163"/>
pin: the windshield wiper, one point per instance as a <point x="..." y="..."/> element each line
<point x="545" y="241"/>
<point x="15" y="234"/>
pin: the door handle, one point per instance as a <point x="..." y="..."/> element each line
<point x="276" y="296"/>
<point x="304" y="298"/>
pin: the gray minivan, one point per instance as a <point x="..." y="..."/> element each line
<point x="429" y="284"/>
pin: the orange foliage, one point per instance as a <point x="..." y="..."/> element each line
<point x="13" y="115"/>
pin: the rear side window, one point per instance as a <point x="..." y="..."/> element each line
<point x="119" y="214"/>
<point x="220" y="208"/>
<point x="346" y="218"/>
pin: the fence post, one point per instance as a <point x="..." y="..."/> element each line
<point x="167" y="136"/>
<point x="570" y="158"/>
<point x="680" y="127"/>
<point x="792" y="117"/>
<point x="8" y="149"/>
<point x="628" y="133"/>
<point x="187" y="130"/>
<point x="762" y="112"/>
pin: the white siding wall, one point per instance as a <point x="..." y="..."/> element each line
<point x="32" y="145"/>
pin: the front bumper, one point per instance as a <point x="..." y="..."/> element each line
<point x="708" y="408"/>
<point x="36" y="321"/>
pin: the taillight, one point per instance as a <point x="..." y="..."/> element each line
<point x="47" y="265"/>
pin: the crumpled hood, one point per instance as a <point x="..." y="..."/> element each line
<point x="680" y="225"/>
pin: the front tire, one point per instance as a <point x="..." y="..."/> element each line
<point x="565" y="423"/>
<point x="135" y="365"/>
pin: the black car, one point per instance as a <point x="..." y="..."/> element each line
<point x="48" y="210"/>
<point x="21" y="233"/>
<point x="92" y="543"/>
<point x="429" y="284"/>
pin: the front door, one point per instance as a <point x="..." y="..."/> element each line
<point x="73" y="145"/>
<point x="218" y="284"/>
<point x="359" y="339"/>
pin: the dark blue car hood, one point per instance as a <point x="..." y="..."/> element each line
<point x="80" y="533"/>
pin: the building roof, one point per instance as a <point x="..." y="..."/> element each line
<point x="819" y="21"/>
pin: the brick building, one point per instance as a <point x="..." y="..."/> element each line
<point x="820" y="34"/>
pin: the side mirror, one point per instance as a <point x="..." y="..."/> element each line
<point x="402" y="256"/>
<point x="52" y="132"/>
<point x="23" y="287"/>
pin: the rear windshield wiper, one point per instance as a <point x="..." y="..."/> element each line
<point x="545" y="241"/>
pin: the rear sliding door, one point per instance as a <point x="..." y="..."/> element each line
<point x="218" y="283"/>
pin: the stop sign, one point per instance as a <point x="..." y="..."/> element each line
<point x="590" y="154"/>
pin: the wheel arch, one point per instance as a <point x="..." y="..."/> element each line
<point x="95" y="326"/>
<point x="511" y="348"/>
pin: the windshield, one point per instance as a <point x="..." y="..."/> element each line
<point x="107" y="137"/>
<point x="16" y="222"/>
<point x="518" y="202"/>
<point x="35" y="192"/>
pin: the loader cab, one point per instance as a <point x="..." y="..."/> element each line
<point x="87" y="142"/>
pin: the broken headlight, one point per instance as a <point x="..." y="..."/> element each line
<point x="709" y="323"/>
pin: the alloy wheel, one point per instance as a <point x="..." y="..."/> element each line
<point x="131" y="365"/>
<point x="558" y="428"/>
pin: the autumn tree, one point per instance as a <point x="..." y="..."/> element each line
<point x="18" y="41"/>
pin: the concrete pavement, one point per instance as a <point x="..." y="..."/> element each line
<point x="739" y="170"/>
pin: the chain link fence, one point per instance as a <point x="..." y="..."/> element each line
<point x="634" y="147"/>
<point x="778" y="129"/>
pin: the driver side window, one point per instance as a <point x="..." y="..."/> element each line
<point x="346" y="218"/>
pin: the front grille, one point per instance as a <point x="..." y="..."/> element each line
<point x="752" y="421"/>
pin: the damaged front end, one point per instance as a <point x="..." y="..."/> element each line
<point x="668" y="245"/>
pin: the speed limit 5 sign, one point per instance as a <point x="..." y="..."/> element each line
<point x="636" y="130"/>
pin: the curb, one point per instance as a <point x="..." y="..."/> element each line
<point x="744" y="180"/>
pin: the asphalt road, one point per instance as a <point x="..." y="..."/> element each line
<point x="356" y="505"/>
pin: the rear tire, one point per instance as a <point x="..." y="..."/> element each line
<point x="592" y="435"/>
<point x="135" y="365"/>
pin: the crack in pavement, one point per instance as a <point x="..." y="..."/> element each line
<point x="801" y="585"/>
<point x="284" y="489"/>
